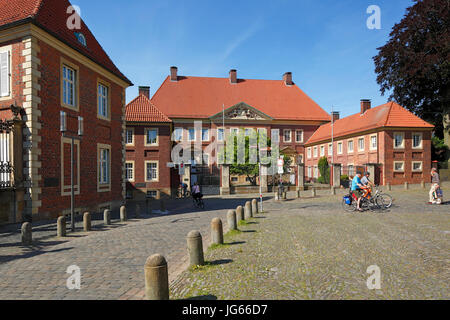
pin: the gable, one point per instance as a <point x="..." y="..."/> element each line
<point x="241" y="111"/>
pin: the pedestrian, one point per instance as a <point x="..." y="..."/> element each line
<point x="435" y="182"/>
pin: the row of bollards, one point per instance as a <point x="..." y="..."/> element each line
<point x="156" y="270"/>
<point x="61" y="227"/>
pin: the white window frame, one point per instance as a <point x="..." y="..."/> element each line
<point x="103" y="100"/>
<point x="65" y="82"/>
<point x="363" y="139"/>
<point x="175" y="130"/>
<point x="322" y="150"/>
<point x="189" y="134"/>
<point x="147" y="162"/>
<point x="315" y="152"/>
<point x="340" y="146"/>
<point x="290" y="135"/>
<point x="403" y="166"/>
<point x="316" y="172"/>
<point x="330" y="149"/>
<point x="201" y="132"/>
<point x="417" y="170"/>
<point x="7" y="94"/>
<point x="132" y="136"/>
<point x="156" y="144"/>
<point x="310" y="172"/>
<point x="348" y="146"/>
<point x="221" y="129"/>
<point x="402" y="146"/>
<point x="420" y="134"/>
<point x="296" y="136"/>
<point x="309" y="152"/>
<point x="376" y="142"/>
<point x="103" y="185"/>
<point x="273" y="133"/>
<point x="132" y="171"/>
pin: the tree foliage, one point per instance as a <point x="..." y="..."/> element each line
<point x="324" y="170"/>
<point x="414" y="65"/>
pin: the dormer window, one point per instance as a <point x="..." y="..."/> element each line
<point x="81" y="38"/>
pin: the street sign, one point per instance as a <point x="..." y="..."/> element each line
<point x="170" y="165"/>
<point x="181" y="169"/>
<point x="280" y="166"/>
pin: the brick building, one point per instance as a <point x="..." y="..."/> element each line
<point x="46" y="69"/>
<point x="388" y="140"/>
<point x="148" y="147"/>
<point x="279" y="107"/>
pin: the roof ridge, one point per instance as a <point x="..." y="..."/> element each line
<point x="37" y="8"/>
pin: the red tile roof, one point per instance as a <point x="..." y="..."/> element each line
<point x="141" y="109"/>
<point x="387" y="115"/>
<point x="51" y="15"/>
<point x="202" y="97"/>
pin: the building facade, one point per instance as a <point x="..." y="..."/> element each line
<point x="53" y="72"/>
<point x="388" y="140"/>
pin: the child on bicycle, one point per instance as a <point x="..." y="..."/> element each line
<point x="357" y="187"/>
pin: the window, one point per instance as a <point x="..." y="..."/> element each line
<point x="373" y="142"/>
<point x="309" y="152"/>
<point x="322" y="151"/>
<point x="220" y="134"/>
<point x="248" y="132"/>
<point x="399" y="140"/>
<point x="151" y="137"/>
<point x="205" y="134"/>
<point x="81" y="38"/>
<point x="361" y="145"/>
<point x="129" y="194"/>
<point x="399" y="166"/>
<point x="177" y="134"/>
<point x="351" y="170"/>
<point x="234" y="179"/>
<point x="315" y="152"/>
<point x="234" y="131"/>
<point x="129" y="171"/>
<point x="330" y="149"/>
<point x="275" y="133"/>
<point x="287" y="136"/>
<point x="152" y="194"/>
<point x="103" y="101"/>
<point x="104" y="166"/>
<point x="316" y="172"/>
<point x="417" y="166"/>
<point x="417" y="140"/>
<point x="191" y="134"/>
<point x="129" y="137"/>
<point x="339" y="148"/>
<point x="299" y="136"/>
<point x="69" y="86"/>
<point x="152" y="174"/>
<point x="350" y="146"/>
<point x="309" y="172"/>
<point x="5" y="72"/>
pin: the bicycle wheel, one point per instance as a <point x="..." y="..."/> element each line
<point x="202" y="205"/>
<point x="349" y="207"/>
<point x="379" y="201"/>
<point x="387" y="199"/>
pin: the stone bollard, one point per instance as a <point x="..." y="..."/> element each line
<point x="423" y="184"/>
<point x="255" y="206"/>
<point x="162" y="205"/>
<point x="87" y="225"/>
<point x="284" y="195"/>
<point x="216" y="231"/>
<point x="248" y="211"/>
<point x="239" y="214"/>
<point x="123" y="213"/>
<point x="231" y="220"/>
<point x="138" y="211"/>
<point x="313" y="192"/>
<point x="107" y="217"/>
<point x="27" y="237"/>
<point x="61" y="227"/>
<point x="389" y="187"/>
<point x="195" y="248"/>
<point x="156" y="278"/>
<point x="406" y="185"/>
<point x="333" y="191"/>
<point x="298" y="194"/>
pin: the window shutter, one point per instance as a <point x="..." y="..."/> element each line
<point x="4" y="74"/>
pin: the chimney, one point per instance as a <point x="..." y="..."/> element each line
<point x="366" y="104"/>
<point x="144" y="91"/>
<point x="335" y="115"/>
<point x="287" y="77"/>
<point x="173" y="74"/>
<point x="233" y="76"/>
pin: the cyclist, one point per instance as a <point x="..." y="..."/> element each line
<point x="435" y="181"/>
<point x="196" y="194"/>
<point x="184" y="187"/>
<point x="365" y="181"/>
<point x="356" y="189"/>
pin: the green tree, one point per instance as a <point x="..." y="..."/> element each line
<point x="324" y="170"/>
<point x="414" y="65"/>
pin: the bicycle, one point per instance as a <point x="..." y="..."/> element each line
<point x="198" y="203"/>
<point x="387" y="199"/>
<point x="367" y="202"/>
<point x="181" y="194"/>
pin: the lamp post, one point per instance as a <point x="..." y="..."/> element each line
<point x="63" y="129"/>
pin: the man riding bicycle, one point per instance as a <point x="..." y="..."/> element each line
<point x="196" y="194"/>
<point x="365" y="181"/>
<point x="357" y="189"/>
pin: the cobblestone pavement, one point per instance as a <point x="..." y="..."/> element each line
<point x="308" y="248"/>
<point x="312" y="249"/>
<point x="111" y="259"/>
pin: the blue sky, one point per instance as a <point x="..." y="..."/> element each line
<point x="325" y="44"/>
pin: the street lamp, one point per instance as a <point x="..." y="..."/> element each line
<point x="63" y="129"/>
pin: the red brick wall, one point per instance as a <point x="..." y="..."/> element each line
<point x="139" y="153"/>
<point x="95" y="131"/>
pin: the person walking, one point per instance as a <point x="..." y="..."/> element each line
<point x="435" y="184"/>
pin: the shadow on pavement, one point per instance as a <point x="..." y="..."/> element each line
<point x="30" y="254"/>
